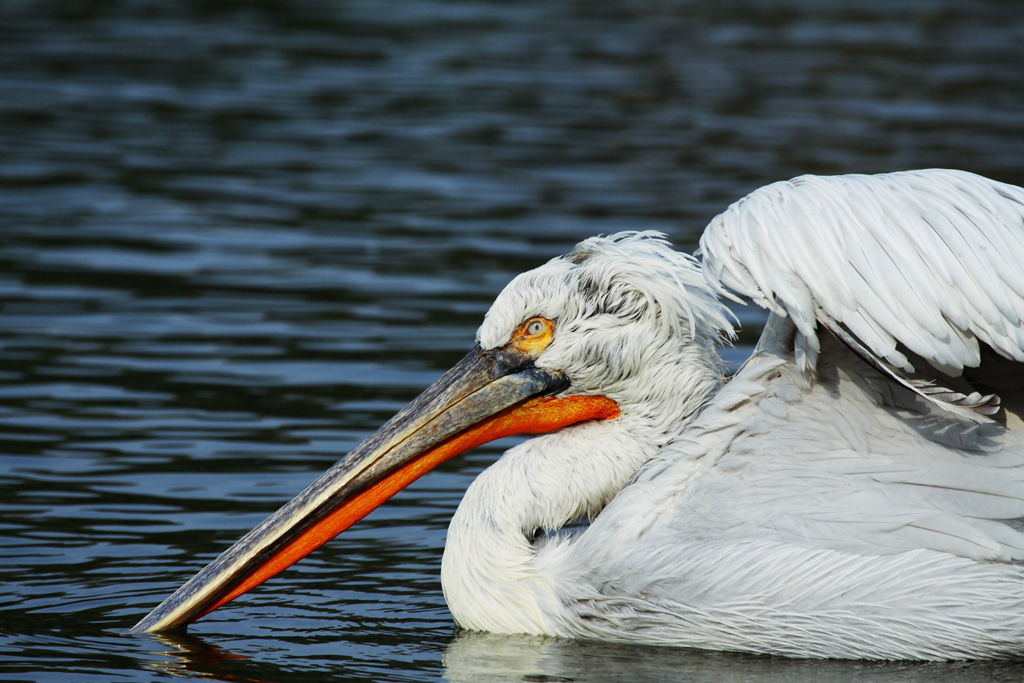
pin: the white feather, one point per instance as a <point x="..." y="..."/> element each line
<point x="932" y="257"/>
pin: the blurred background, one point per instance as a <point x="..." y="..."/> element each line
<point x="235" y="236"/>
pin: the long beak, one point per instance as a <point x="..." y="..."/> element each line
<point x="486" y="396"/>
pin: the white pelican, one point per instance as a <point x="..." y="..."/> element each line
<point x="855" y="490"/>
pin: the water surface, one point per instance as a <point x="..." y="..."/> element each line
<point x="236" y="237"/>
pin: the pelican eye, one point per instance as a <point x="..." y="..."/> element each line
<point x="534" y="335"/>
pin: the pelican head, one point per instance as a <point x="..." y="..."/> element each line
<point x="622" y="329"/>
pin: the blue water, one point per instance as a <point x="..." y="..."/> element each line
<point x="235" y="237"/>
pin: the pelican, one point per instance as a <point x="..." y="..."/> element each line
<point x="854" y="490"/>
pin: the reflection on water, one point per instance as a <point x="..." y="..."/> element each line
<point x="482" y="657"/>
<point x="472" y="657"/>
<point x="235" y="237"/>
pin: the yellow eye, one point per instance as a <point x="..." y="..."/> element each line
<point x="534" y="335"/>
<point x="535" y="327"/>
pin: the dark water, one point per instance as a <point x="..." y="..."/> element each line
<point x="236" y="236"/>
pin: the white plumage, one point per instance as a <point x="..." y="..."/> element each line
<point x="824" y="502"/>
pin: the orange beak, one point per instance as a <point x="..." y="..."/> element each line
<point x="485" y="396"/>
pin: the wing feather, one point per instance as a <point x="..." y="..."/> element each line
<point x="930" y="260"/>
<point x="841" y="465"/>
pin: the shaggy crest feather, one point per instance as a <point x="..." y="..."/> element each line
<point x="634" y="276"/>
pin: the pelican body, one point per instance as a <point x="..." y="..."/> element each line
<point x="854" y="490"/>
